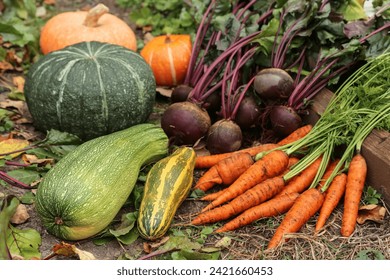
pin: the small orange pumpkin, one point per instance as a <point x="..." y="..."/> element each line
<point x="168" y="56"/>
<point x="97" y="24"/>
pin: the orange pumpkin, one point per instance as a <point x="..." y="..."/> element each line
<point x="168" y="56"/>
<point x="97" y="24"/>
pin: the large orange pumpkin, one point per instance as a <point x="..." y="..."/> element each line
<point x="97" y="24"/>
<point x="168" y="56"/>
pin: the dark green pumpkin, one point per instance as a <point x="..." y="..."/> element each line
<point x="90" y="89"/>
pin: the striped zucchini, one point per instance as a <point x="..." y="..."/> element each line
<point x="167" y="185"/>
<point x="84" y="191"/>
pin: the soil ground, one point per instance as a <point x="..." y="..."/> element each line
<point x="369" y="239"/>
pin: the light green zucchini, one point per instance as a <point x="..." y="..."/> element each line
<point x="84" y="191"/>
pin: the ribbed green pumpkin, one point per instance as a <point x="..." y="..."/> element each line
<point x="84" y="191"/>
<point x="167" y="185"/>
<point x="90" y="89"/>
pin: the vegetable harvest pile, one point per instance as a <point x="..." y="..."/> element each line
<point x="232" y="137"/>
<point x="320" y="178"/>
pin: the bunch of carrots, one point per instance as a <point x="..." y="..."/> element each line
<point x="270" y="180"/>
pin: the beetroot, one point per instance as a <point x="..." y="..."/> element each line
<point x="180" y="93"/>
<point x="284" y="120"/>
<point x="224" y="136"/>
<point x="248" y="113"/>
<point x="185" y="123"/>
<point x="273" y="83"/>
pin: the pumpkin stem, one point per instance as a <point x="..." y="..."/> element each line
<point x="94" y="14"/>
<point x="168" y="39"/>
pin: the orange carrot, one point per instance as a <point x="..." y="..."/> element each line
<point x="270" y="165"/>
<point x="296" y="135"/>
<point x="302" y="181"/>
<point x="306" y="205"/>
<point x="211" y="160"/>
<point x="212" y="196"/>
<point x="273" y="207"/>
<point x="225" y="171"/>
<point x="252" y="197"/>
<point x="356" y="177"/>
<point x="208" y="179"/>
<point x="329" y="169"/>
<point x="334" y="193"/>
<point x="292" y="161"/>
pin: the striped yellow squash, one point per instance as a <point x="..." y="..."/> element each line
<point x="167" y="185"/>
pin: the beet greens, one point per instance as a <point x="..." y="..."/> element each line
<point x="311" y="44"/>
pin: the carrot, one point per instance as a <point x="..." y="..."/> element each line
<point x="334" y="193"/>
<point x="252" y="197"/>
<point x="225" y="171"/>
<point x="356" y="177"/>
<point x="306" y="205"/>
<point x="329" y="169"/>
<point x="273" y="207"/>
<point x="208" y="179"/>
<point x="208" y="161"/>
<point x="296" y="135"/>
<point x="292" y="161"/>
<point x="212" y="196"/>
<point x="302" y="181"/>
<point x="270" y="165"/>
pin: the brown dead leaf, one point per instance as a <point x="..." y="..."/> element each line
<point x="17" y="104"/>
<point x="13" y="58"/>
<point x="18" y="82"/>
<point x="4" y="66"/>
<point x="167" y="92"/>
<point x="70" y="250"/>
<point x="23" y="121"/>
<point x="63" y="249"/>
<point x="371" y="212"/>
<point x="33" y="159"/>
<point x="21" y="215"/>
<point x="10" y="145"/>
<point x="149" y="246"/>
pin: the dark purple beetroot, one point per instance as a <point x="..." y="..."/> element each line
<point x="248" y="113"/>
<point x="180" y="93"/>
<point x="213" y="103"/>
<point x="284" y="120"/>
<point x="273" y="83"/>
<point x="224" y="136"/>
<point x="185" y="123"/>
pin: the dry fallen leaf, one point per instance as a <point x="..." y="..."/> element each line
<point x="17" y="104"/>
<point x="371" y="212"/>
<point x="21" y="215"/>
<point x="149" y="246"/>
<point x="70" y="250"/>
<point x="33" y="159"/>
<point x="18" y="82"/>
<point x="167" y="92"/>
<point x="84" y="255"/>
<point x="4" y="65"/>
<point x="10" y="145"/>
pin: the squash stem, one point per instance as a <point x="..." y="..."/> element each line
<point x="94" y="15"/>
